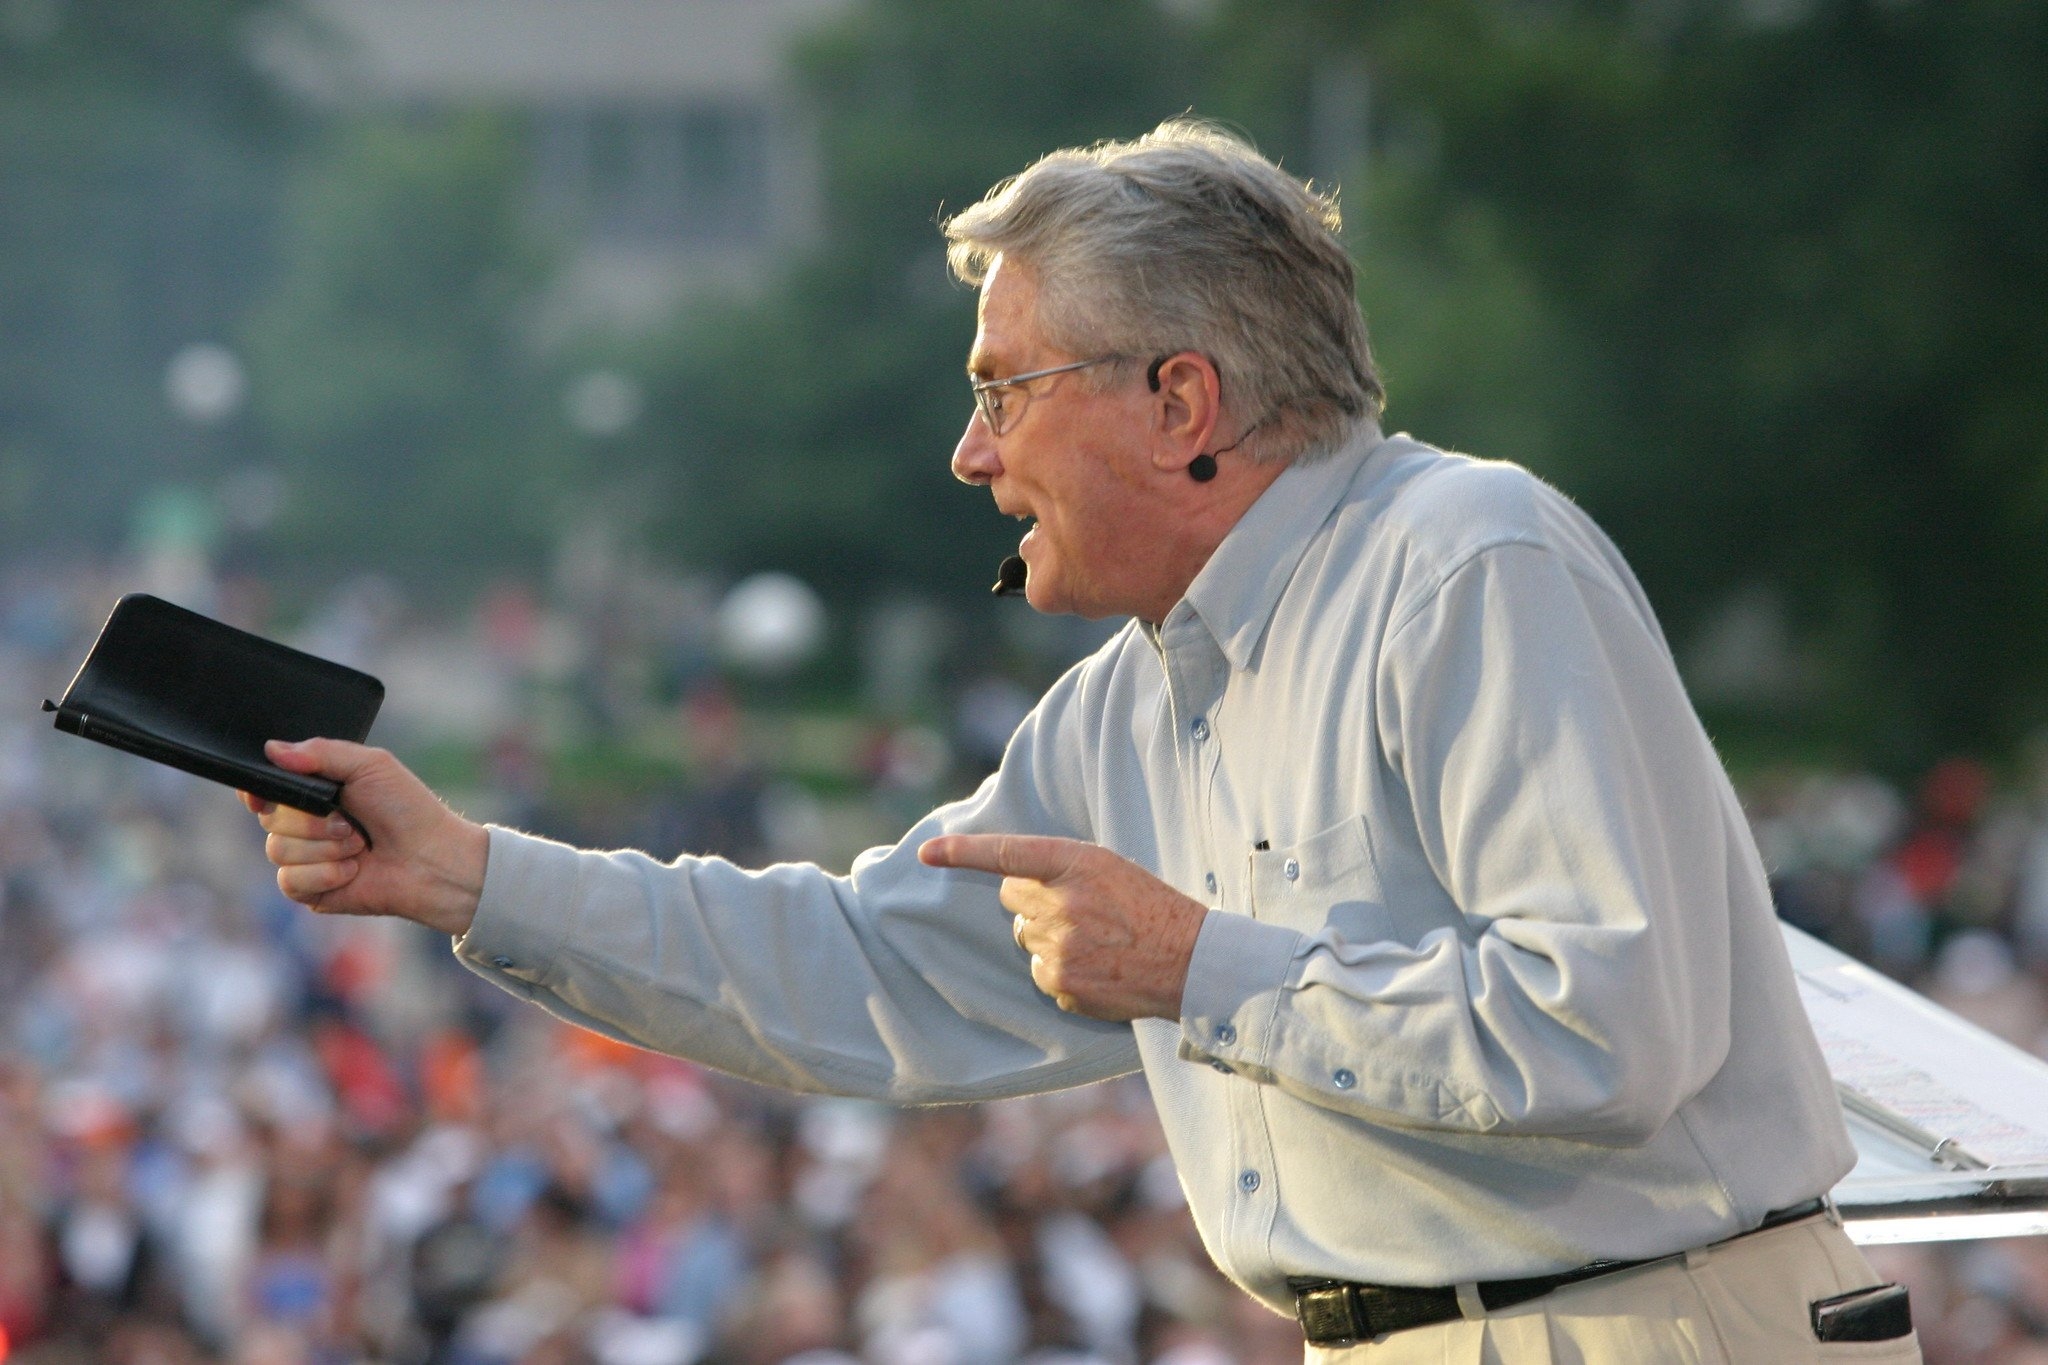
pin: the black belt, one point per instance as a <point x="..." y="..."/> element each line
<point x="1338" y="1312"/>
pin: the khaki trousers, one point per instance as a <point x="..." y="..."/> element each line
<point x="1741" y="1302"/>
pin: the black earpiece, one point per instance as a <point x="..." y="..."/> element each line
<point x="1203" y="467"/>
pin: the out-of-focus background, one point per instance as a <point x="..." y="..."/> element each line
<point x="588" y="369"/>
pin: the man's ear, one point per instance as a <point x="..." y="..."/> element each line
<point x="1189" y="406"/>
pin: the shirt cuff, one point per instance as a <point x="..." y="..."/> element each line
<point x="1239" y="968"/>
<point x="529" y="885"/>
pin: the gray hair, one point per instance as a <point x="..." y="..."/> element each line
<point x="1188" y="240"/>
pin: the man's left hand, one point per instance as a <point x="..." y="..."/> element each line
<point x="1107" y="938"/>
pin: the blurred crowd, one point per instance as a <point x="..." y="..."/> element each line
<point x="231" y="1130"/>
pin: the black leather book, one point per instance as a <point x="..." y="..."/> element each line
<point x="202" y="696"/>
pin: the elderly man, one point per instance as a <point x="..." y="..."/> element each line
<point x="1383" y="837"/>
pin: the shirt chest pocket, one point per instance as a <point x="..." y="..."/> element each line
<point x="1327" y="881"/>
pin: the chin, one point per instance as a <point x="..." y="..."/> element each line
<point x="1050" y="594"/>
<point x="1053" y="601"/>
<point x="1045" y="599"/>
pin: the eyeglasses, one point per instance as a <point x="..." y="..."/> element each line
<point x="1001" y="409"/>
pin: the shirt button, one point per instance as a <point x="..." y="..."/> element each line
<point x="1226" y="1033"/>
<point x="1223" y="1067"/>
<point x="1344" y="1080"/>
<point x="1248" y="1181"/>
<point x="1290" y="869"/>
<point x="1209" y="880"/>
<point x="501" y="962"/>
<point x="1200" y="729"/>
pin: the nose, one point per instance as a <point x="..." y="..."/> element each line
<point x="974" y="459"/>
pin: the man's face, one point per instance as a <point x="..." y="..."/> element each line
<point x="1074" y="461"/>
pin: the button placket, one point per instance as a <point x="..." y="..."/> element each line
<point x="1211" y="826"/>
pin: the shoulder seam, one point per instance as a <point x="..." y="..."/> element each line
<point x="1457" y="565"/>
<point x="1467" y="557"/>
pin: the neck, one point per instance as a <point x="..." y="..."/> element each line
<point x="1201" y="515"/>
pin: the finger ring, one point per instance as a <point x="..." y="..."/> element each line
<point x="1017" y="929"/>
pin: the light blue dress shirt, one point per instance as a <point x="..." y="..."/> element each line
<point x="1491" y="985"/>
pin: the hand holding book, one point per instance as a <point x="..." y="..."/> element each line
<point x="428" y="862"/>
<point x="351" y="829"/>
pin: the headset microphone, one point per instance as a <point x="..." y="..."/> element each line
<point x="1010" y="577"/>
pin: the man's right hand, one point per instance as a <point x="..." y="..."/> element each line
<point x="427" y="864"/>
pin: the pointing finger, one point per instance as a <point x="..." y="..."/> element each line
<point x="1039" y="857"/>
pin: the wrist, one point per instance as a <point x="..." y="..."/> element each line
<point x="458" y="877"/>
<point x="1176" y="945"/>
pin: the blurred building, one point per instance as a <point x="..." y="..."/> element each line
<point x="668" y="143"/>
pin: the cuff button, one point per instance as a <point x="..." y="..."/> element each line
<point x="1343" y="1079"/>
<point x="502" y="963"/>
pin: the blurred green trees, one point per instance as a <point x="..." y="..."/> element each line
<point x="1780" y="276"/>
<point x="1761" y="282"/>
<point x="138" y="164"/>
<point x="417" y="431"/>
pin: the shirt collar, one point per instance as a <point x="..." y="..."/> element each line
<point x="1235" y="593"/>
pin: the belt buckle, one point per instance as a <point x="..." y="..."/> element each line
<point x="1331" y="1315"/>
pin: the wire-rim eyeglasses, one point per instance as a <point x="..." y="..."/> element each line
<point x="1000" y="415"/>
